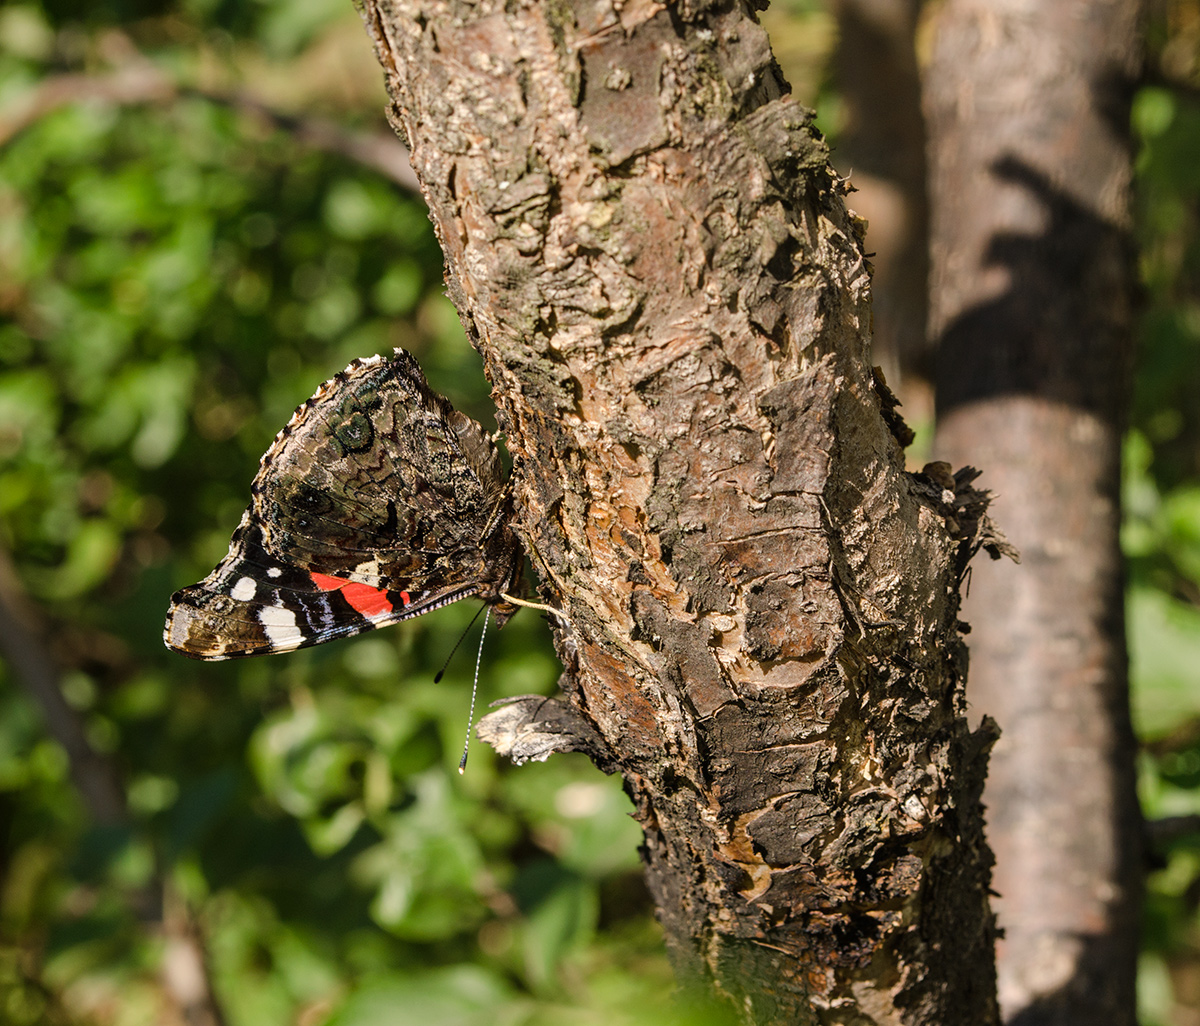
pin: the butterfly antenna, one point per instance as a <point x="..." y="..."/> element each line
<point x="462" y="763"/>
<point x="442" y="672"/>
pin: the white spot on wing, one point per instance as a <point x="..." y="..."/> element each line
<point x="244" y="590"/>
<point x="279" y="625"/>
<point x="274" y="571"/>
<point x="366" y="573"/>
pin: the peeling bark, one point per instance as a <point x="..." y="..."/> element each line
<point x="645" y="241"/>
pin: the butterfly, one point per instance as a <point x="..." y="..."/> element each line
<point x="377" y="502"/>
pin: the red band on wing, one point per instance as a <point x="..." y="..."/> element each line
<point x="363" y="598"/>
<point x="327" y="583"/>
<point x="367" y="600"/>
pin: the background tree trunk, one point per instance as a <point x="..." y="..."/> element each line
<point x="881" y="149"/>
<point x="1032" y="280"/>
<point x="645" y="241"/>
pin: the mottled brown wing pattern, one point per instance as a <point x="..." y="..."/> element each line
<point x="378" y="501"/>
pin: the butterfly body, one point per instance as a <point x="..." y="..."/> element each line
<point x="376" y="503"/>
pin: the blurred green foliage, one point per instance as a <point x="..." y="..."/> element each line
<point x="1161" y="535"/>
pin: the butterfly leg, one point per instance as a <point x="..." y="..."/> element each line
<point x="536" y="605"/>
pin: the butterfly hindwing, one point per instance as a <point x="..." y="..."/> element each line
<point x="377" y="502"/>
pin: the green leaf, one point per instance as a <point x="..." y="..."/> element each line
<point x="1164" y="648"/>
<point x="1153" y="111"/>
<point x="562" y="910"/>
<point x="461" y="995"/>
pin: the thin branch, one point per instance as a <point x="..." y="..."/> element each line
<point x="1162" y="832"/>
<point x="140" y="81"/>
<point x="95" y="777"/>
<point x="384" y="153"/>
<point x="185" y="971"/>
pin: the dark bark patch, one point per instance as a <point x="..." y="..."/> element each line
<point x="619" y="103"/>
<point x="751" y="777"/>
<point x="774" y="631"/>
<point x="687" y="654"/>
<point x="889" y="407"/>
<point x="801" y="412"/>
<point x="622" y="709"/>
<point x="783" y="833"/>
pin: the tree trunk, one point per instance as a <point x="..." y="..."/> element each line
<point x="1031" y="305"/>
<point x="881" y="149"/>
<point x="645" y="242"/>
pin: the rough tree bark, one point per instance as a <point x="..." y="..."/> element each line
<point x="646" y="243"/>
<point x="1031" y="305"/>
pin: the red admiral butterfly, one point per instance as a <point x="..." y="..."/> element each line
<point x="377" y="502"/>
